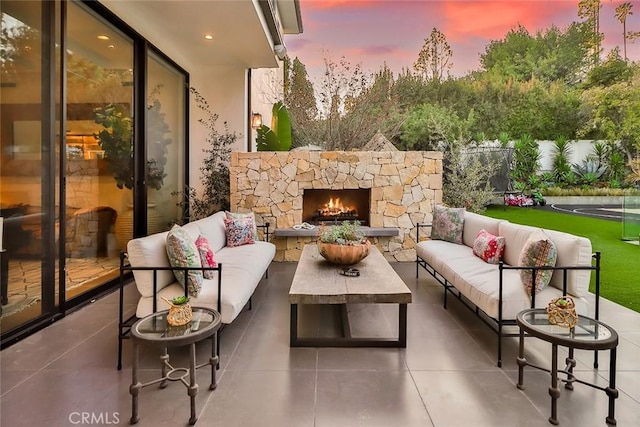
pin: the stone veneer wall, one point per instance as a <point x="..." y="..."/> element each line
<point x="404" y="187"/>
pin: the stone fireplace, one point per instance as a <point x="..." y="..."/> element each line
<point x="326" y="205"/>
<point x="399" y="190"/>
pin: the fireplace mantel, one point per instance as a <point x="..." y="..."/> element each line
<point x="404" y="186"/>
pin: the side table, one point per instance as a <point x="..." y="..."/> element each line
<point x="155" y="330"/>
<point x="587" y="334"/>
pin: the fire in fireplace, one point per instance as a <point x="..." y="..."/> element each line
<point x="335" y="205"/>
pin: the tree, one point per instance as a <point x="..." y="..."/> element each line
<point x="590" y="11"/>
<point x="434" y="58"/>
<point x="550" y="55"/>
<point x="623" y="10"/>
<point x="433" y="127"/>
<point x="613" y="113"/>
<point x="301" y="102"/>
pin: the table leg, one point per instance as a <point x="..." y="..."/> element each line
<point x="554" y="391"/>
<point x="293" y="326"/>
<point x="213" y="361"/>
<point x="192" y="390"/>
<point x="135" y="385"/>
<point x="611" y="390"/>
<point x="522" y="361"/>
<point x="402" y="326"/>
<point x="571" y="363"/>
<point x="164" y="360"/>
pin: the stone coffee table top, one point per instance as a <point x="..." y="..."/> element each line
<point x="317" y="281"/>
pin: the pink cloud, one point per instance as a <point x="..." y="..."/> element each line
<point x="493" y="19"/>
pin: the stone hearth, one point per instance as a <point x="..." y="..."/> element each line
<point x="404" y="187"/>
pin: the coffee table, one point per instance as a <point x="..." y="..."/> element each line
<point x="155" y="330"/>
<point x="316" y="281"/>
<point x="587" y="334"/>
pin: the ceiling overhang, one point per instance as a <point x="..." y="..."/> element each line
<point x="177" y="28"/>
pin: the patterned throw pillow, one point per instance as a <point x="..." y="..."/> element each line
<point x="239" y="231"/>
<point x="182" y="252"/>
<point x="488" y="247"/>
<point x="538" y="251"/>
<point x="206" y="256"/>
<point x="251" y="215"/>
<point x="447" y="224"/>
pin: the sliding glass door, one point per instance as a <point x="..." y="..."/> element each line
<point x="28" y="163"/>
<point x="98" y="149"/>
<point x="93" y="152"/>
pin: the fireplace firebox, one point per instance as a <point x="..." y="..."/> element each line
<point x="336" y="205"/>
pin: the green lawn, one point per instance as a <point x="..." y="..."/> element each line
<point x="620" y="262"/>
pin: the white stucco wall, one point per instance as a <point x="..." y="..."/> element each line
<point x="580" y="149"/>
<point x="224" y="90"/>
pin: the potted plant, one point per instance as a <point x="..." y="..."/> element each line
<point x="180" y="312"/>
<point x="343" y="243"/>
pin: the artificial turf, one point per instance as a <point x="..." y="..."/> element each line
<point x="620" y="261"/>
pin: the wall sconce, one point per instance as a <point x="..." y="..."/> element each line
<point x="256" y="120"/>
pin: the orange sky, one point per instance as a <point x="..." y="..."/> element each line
<point x="372" y="32"/>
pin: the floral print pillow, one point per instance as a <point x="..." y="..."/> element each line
<point x="448" y="224"/>
<point x="183" y="252"/>
<point x="489" y="247"/>
<point x="538" y="251"/>
<point x="239" y="231"/>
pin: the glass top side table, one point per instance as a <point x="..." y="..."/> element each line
<point x="154" y="329"/>
<point x="587" y="334"/>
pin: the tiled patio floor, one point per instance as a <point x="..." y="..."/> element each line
<point x="445" y="377"/>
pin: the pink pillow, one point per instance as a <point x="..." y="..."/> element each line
<point x="488" y="247"/>
<point x="206" y="256"/>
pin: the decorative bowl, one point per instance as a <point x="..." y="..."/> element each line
<point x="562" y="312"/>
<point x="344" y="254"/>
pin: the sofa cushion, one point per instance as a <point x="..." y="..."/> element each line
<point x="448" y="224"/>
<point x="474" y="223"/>
<point x="488" y="247"/>
<point x="150" y="251"/>
<point x="239" y="231"/>
<point x="572" y="251"/>
<point x="538" y="251"/>
<point x="183" y="252"/>
<point x="212" y="227"/>
<point x="242" y="269"/>
<point x="207" y="258"/>
<point x="515" y="237"/>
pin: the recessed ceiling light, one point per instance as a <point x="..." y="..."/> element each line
<point x="112" y="46"/>
<point x="208" y="36"/>
<point x="103" y="37"/>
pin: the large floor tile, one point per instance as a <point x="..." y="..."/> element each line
<point x="262" y="398"/>
<point x="367" y="398"/>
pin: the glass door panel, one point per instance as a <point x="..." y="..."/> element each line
<point x="98" y="149"/>
<point x="165" y="144"/>
<point x="25" y="169"/>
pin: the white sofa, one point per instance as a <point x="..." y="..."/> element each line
<point x="497" y="289"/>
<point x="240" y="270"/>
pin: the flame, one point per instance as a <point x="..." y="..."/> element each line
<point x="335" y="207"/>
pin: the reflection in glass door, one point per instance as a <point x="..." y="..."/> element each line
<point x="165" y="143"/>
<point x="98" y="149"/>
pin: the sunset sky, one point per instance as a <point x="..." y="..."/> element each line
<point x="372" y="32"/>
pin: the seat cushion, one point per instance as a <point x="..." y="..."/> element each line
<point x="242" y="269"/>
